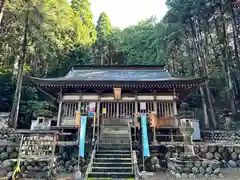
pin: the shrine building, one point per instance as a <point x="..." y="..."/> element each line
<point x="116" y="93"/>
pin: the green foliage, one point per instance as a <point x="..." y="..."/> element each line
<point x="104" y="27"/>
<point x="82" y="10"/>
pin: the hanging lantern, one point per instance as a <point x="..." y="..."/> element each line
<point x="117" y="93"/>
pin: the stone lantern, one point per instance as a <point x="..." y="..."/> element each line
<point x="185" y="117"/>
<point x="228" y="118"/>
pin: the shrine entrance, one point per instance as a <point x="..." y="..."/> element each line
<point x="114" y="113"/>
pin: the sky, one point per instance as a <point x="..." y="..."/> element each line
<point x="123" y="13"/>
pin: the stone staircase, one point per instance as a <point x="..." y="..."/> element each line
<point x="113" y="159"/>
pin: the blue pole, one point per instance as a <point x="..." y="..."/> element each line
<point x="82" y="136"/>
<point x="145" y="144"/>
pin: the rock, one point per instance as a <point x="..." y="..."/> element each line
<point x="23" y="168"/>
<point x="214" y="164"/>
<point x="198" y="164"/>
<point x="216" y="171"/>
<point x="189" y="165"/>
<point x="9" y="174"/>
<point x="84" y="168"/>
<point x="2" y="149"/>
<point x="196" y="149"/>
<point x="217" y="156"/>
<point x="206" y="175"/>
<point x="201" y="154"/>
<point x="3" y="156"/>
<point x="221" y="149"/>
<point x="212" y="149"/>
<point x="234" y="156"/>
<point x="178" y="176"/>
<point x="30" y="168"/>
<point x="195" y="170"/>
<point x="45" y="169"/>
<point x="238" y="163"/>
<point x="223" y="164"/>
<point x="221" y="175"/>
<point x="7" y="163"/>
<point x="37" y="168"/>
<point x="192" y="176"/>
<point x="174" y="155"/>
<point x="226" y="155"/>
<point x="199" y="176"/>
<point x="13" y="155"/>
<point x="213" y="176"/>
<point x="205" y="163"/>
<point x="204" y="149"/>
<point x="230" y="149"/>
<point x="209" y="170"/>
<point x="237" y="149"/>
<point x="184" y="175"/>
<point x="168" y="155"/>
<point x="154" y="161"/>
<point x="187" y="170"/>
<point x="202" y="170"/>
<point x="232" y="164"/>
<point x="9" y="149"/>
<point x="209" y="156"/>
<point x="70" y="168"/>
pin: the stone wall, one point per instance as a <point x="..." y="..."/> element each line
<point x="226" y="155"/>
<point x="194" y="169"/>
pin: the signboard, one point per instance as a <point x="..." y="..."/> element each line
<point x="143" y="106"/>
<point x="77" y="119"/>
<point x="104" y="110"/>
<point x="91" y="108"/>
<point x="196" y="134"/>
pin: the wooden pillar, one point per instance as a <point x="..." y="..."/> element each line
<point x="94" y="125"/>
<point x="98" y="120"/>
<point x="117" y="110"/>
<point x="59" y="113"/>
<point x="59" y="109"/>
<point x="135" y="119"/>
<point x="154" y="127"/>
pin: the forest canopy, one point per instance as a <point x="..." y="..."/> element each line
<point x="46" y="38"/>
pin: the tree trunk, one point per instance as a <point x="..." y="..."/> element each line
<point x="2" y="3"/>
<point x="235" y="36"/>
<point x="206" y="73"/>
<point x="17" y="95"/>
<point x="226" y="67"/>
<point x="199" y="62"/>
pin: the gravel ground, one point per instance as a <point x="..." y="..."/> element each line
<point x="229" y="174"/>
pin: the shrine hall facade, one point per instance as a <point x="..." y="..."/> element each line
<point x="116" y="92"/>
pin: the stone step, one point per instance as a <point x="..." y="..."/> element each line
<point x="114" y="151"/>
<point x="114" y="136"/>
<point x="114" y="141"/>
<point x="123" y="146"/>
<point x="111" y="169"/>
<point x="111" y="175"/>
<point x="122" y="160"/>
<point x="120" y="155"/>
<point x="112" y="164"/>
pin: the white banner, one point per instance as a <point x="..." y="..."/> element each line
<point x="143" y="106"/>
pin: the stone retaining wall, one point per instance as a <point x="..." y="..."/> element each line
<point x="197" y="169"/>
<point x="227" y="155"/>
